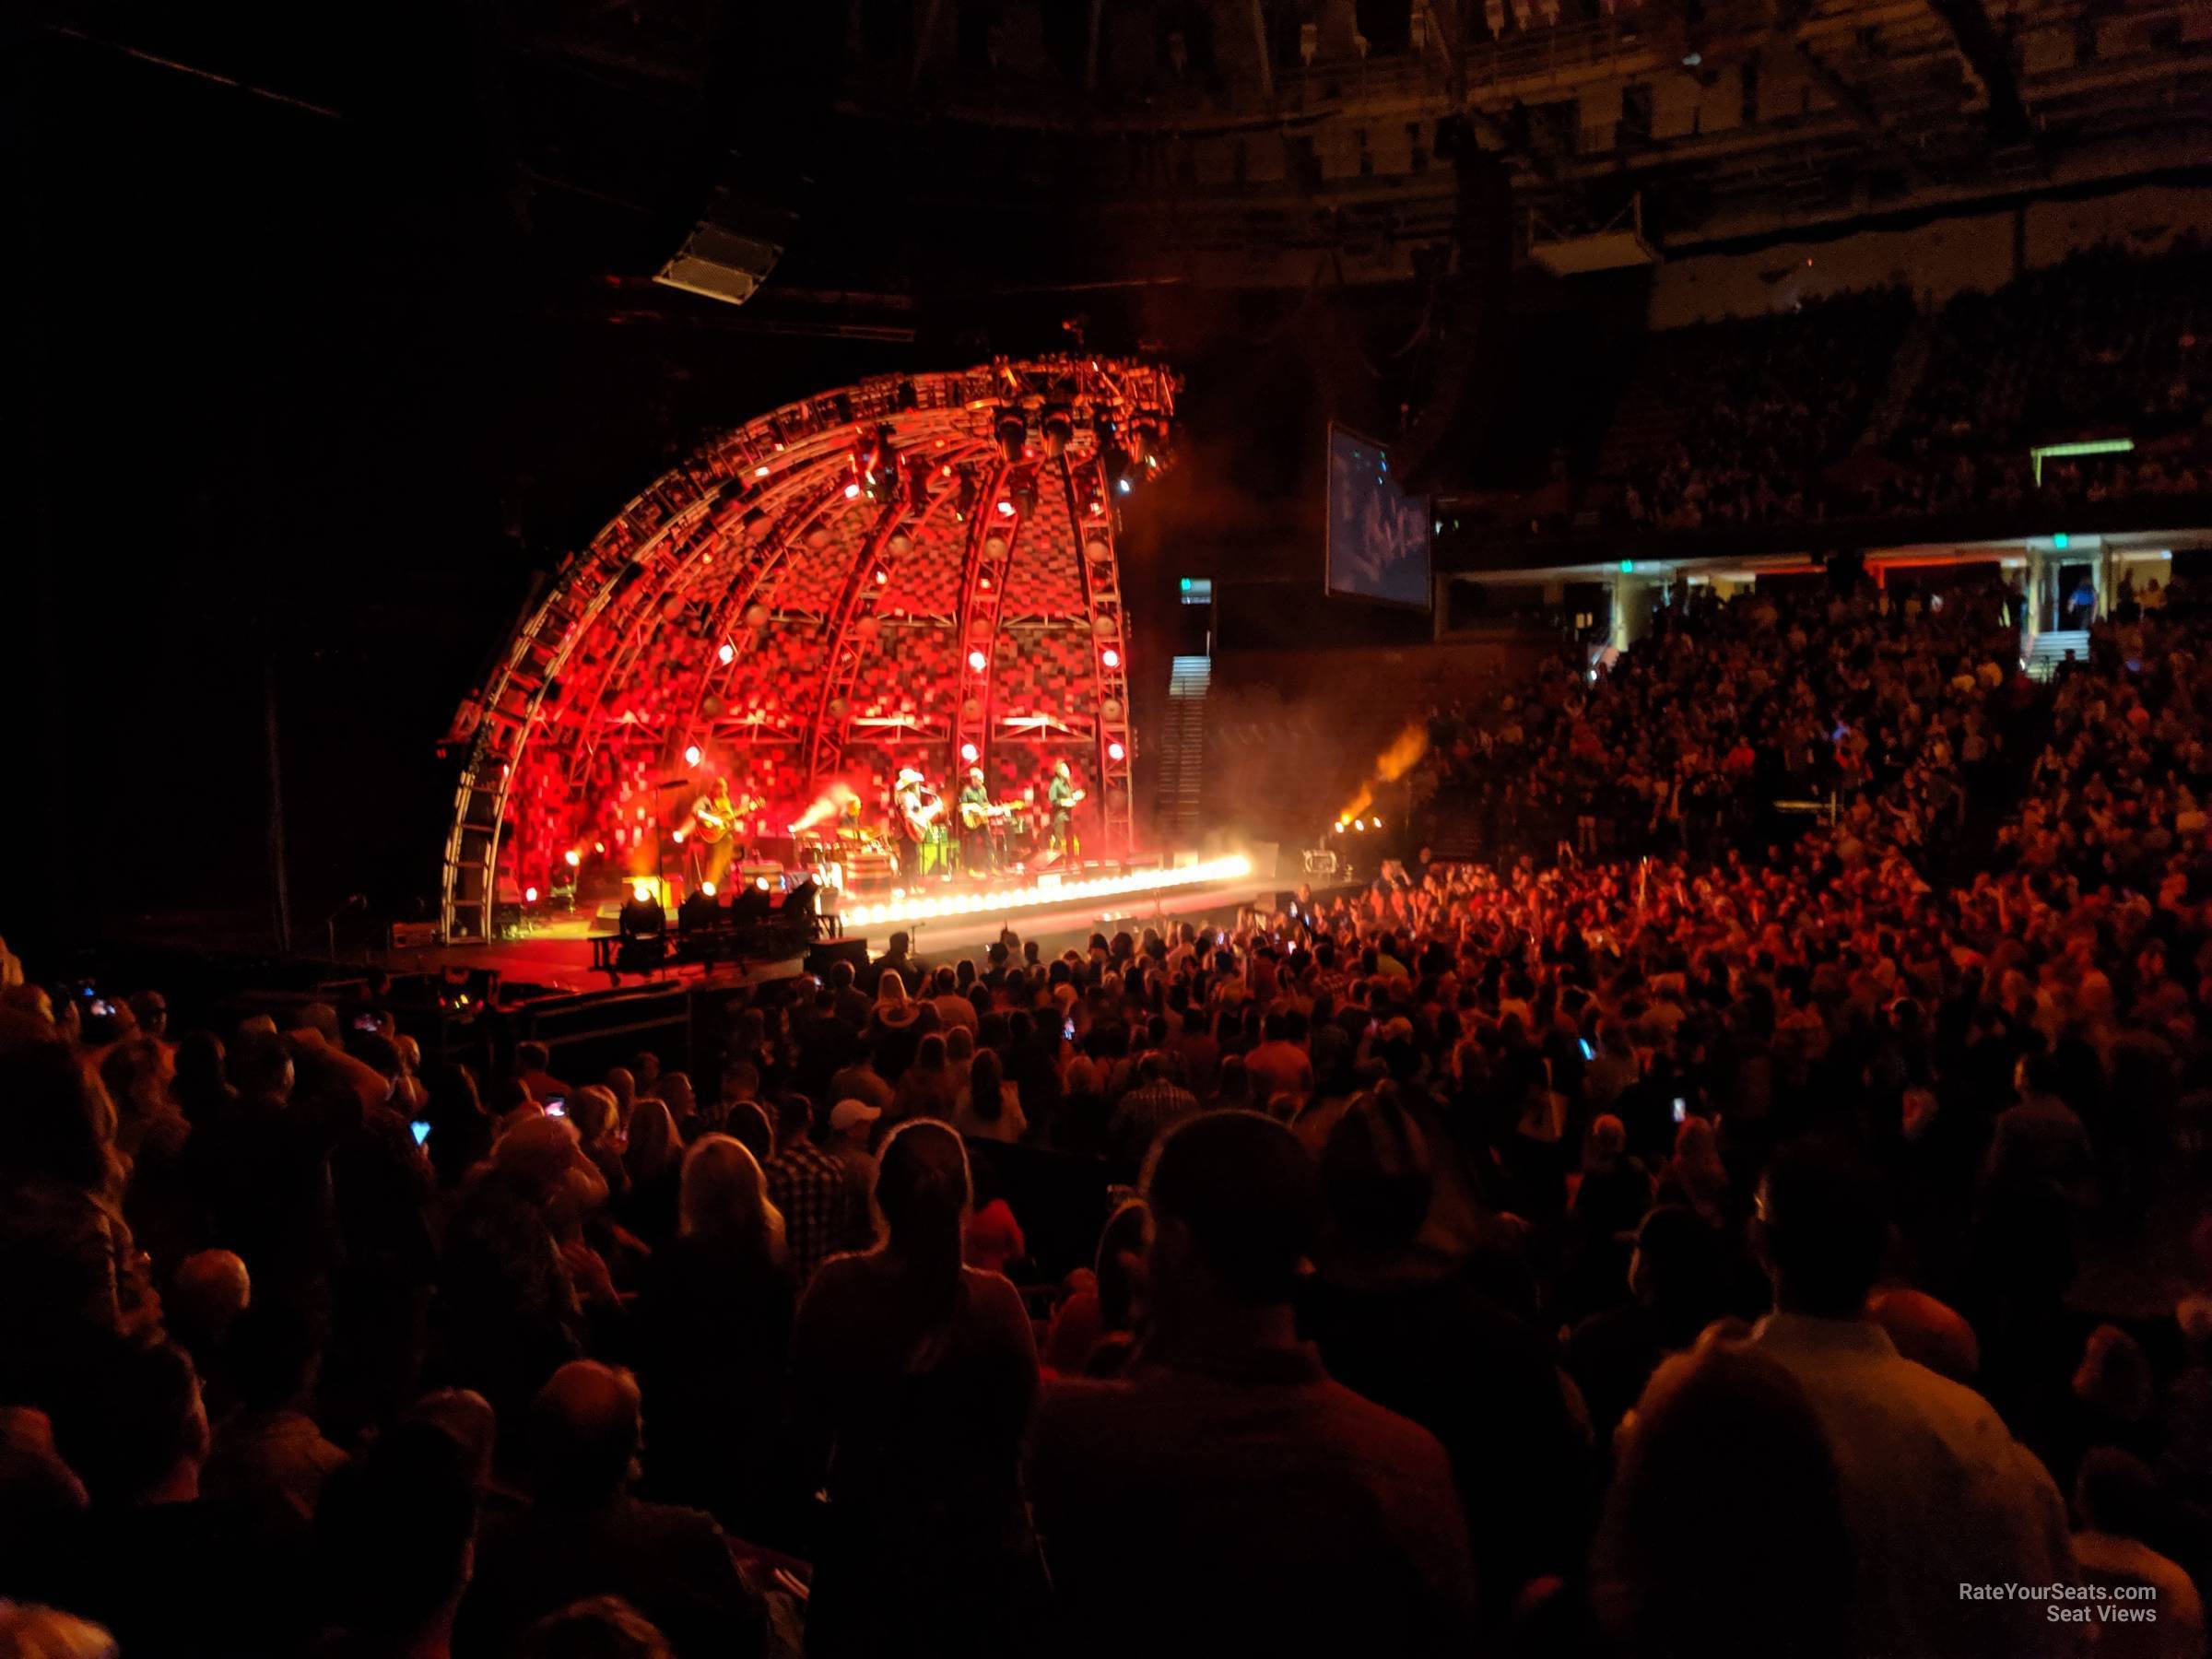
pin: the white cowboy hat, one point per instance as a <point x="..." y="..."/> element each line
<point x="907" y="775"/>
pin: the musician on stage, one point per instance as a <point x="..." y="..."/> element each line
<point x="1062" y="794"/>
<point x="712" y="831"/>
<point x="977" y="855"/>
<point x="915" y="809"/>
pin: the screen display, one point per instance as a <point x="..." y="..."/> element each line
<point x="1378" y="533"/>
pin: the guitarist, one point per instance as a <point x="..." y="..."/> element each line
<point x="1062" y="794"/>
<point x="977" y="857"/>
<point x="915" y="809"/>
<point x="713" y="827"/>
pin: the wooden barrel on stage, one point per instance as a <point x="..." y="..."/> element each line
<point x="870" y="876"/>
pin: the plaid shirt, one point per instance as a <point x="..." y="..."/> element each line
<point x="820" y="1215"/>
<point x="1147" y="1111"/>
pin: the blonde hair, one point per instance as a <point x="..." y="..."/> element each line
<point x="724" y="1195"/>
<point x="592" y="1111"/>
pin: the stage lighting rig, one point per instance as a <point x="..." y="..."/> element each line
<point x="1012" y="431"/>
<point x="1059" y="430"/>
<point x="1114" y="463"/>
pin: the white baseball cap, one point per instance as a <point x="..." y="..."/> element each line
<point x="846" y="1114"/>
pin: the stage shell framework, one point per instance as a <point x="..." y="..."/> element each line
<point x="917" y="571"/>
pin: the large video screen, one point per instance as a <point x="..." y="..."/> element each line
<point x="1378" y="533"/>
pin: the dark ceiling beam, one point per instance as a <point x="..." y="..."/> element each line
<point x="1991" y="59"/>
<point x="1515" y="144"/>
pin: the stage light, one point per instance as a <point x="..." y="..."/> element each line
<point x="852" y="490"/>
<point x="573" y="857"/>
<point x="1144" y="439"/>
<point x="728" y="652"/>
<point x="678" y="838"/>
<point x="983" y="581"/>
<point x="1361" y="825"/>
<point x="1377" y="822"/>
<point x="1114" y="751"/>
<point x="760" y="882"/>
<point x="599" y="846"/>
<point x="643" y="892"/>
<point x="760" y="472"/>
<point x="707" y="888"/>
<point x="944" y="471"/>
<point x="2062" y="541"/>
<point x="1124" y="485"/>
<point x="693" y="755"/>
<point x="882" y="575"/>
<point x="977" y="661"/>
<point x="1007" y="508"/>
<point x="1059" y="430"/>
<point x="968" y="753"/>
<point x="529" y="895"/>
<point x="1012" y="431"/>
<point x="1111" y="657"/>
<point x="1098" y="508"/>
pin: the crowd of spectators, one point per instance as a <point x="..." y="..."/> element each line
<point x="1764" y="407"/>
<point x="1780" y="419"/>
<point x="1896" y="706"/>
<point x="1673" y="1245"/>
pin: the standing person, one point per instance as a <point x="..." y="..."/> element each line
<point x="809" y="1190"/>
<point x="912" y="1377"/>
<point x="714" y="831"/>
<point x="1936" y="1492"/>
<point x="915" y="811"/>
<point x="1062" y="794"/>
<point x="976" y="858"/>
<point x="1228" y="1496"/>
<point x="713" y="1332"/>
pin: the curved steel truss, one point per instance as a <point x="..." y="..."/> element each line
<point x="918" y="570"/>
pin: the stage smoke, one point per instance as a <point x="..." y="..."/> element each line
<point x="1400" y="756"/>
<point x="827" y="806"/>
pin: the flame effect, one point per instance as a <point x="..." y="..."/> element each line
<point x="1400" y="756"/>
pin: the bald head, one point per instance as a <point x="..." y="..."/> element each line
<point x="211" y="1289"/>
<point x="583" y="1433"/>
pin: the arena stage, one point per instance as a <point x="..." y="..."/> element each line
<point x="942" y="923"/>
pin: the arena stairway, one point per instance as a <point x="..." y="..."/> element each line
<point x="2050" y="650"/>
<point x="1182" y="751"/>
<point x="1644" y="422"/>
<point x="1906" y="369"/>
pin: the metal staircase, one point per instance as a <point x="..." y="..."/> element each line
<point x="2050" y="650"/>
<point x="1182" y="751"/>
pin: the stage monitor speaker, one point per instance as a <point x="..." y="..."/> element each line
<point x="827" y="951"/>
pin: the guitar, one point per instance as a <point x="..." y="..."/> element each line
<point x="974" y="815"/>
<point x="710" y="826"/>
<point x="922" y="814"/>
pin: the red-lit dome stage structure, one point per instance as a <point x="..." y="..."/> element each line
<point x="914" y="572"/>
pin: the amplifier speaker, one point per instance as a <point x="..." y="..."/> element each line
<point x="821" y="956"/>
